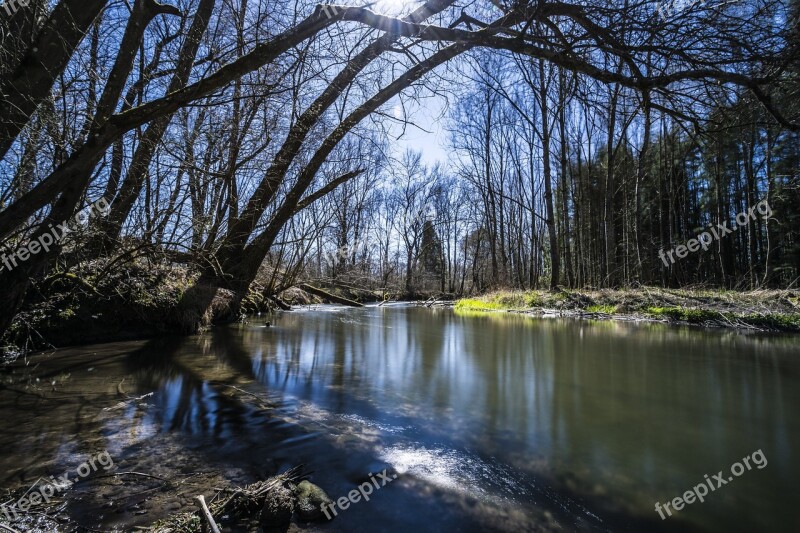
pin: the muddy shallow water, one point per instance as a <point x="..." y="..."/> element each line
<point x="492" y="422"/>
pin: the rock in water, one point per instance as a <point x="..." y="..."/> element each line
<point x="310" y="499"/>
<point x="278" y="508"/>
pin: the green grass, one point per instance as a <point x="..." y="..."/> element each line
<point x="605" y="309"/>
<point x="694" y="316"/>
<point x="719" y="308"/>
<point x="501" y="301"/>
<point x="782" y="321"/>
<point x="471" y="304"/>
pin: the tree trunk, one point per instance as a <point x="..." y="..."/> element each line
<point x="609" y="220"/>
<point x="24" y="88"/>
<point x="641" y="171"/>
<point x="140" y="164"/>
<point x="15" y="283"/>
<point x="555" y="256"/>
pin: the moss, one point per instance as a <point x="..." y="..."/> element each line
<point x="605" y="309"/>
<point x="534" y="299"/>
<point x="502" y="301"/>
<point x="700" y="315"/>
<point x="311" y="499"/>
<point x="664" y="312"/>
<point x="695" y="316"/>
<point x="66" y="314"/>
<point x="721" y="307"/>
<point x="509" y="300"/>
<point x="780" y="321"/>
<point x="471" y="304"/>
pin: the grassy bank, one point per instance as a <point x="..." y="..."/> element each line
<point x="759" y="310"/>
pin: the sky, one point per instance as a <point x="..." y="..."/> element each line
<point x="430" y="137"/>
<point x="427" y="132"/>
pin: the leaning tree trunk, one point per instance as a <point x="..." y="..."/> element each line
<point x="14" y="284"/>
<point x="137" y="172"/>
<point x="118" y="125"/>
<point x="239" y="274"/>
<point x="24" y="88"/>
<point x="240" y="228"/>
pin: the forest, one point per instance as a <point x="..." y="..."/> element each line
<point x="399" y="265"/>
<point x="242" y="147"/>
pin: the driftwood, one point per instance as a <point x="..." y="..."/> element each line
<point x="328" y="296"/>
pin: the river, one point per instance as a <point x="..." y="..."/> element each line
<point x="492" y="422"/>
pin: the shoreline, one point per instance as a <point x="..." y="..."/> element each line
<point x="757" y="311"/>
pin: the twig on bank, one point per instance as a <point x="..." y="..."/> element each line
<point x="261" y="402"/>
<point x="130" y="474"/>
<point x="125" y="403"/>
<point x="201" y="502"/>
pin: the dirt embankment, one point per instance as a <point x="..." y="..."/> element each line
<point x="106" y="300"/>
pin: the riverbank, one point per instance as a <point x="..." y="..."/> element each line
<point x="105" y="302"/>
<point x="762" y="310"/>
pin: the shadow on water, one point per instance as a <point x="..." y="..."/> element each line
<point x="493" y="423"/>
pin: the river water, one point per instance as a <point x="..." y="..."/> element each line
<point x="492" y="422"/>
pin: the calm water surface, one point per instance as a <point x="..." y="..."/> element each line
<point x="492" y="422"/>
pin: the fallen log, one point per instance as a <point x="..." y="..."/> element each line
<point x="328" y="296"/>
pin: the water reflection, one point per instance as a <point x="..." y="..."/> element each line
<point x="507" y="422"/>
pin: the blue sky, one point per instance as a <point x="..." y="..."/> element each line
<point x="427" y="132"/>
